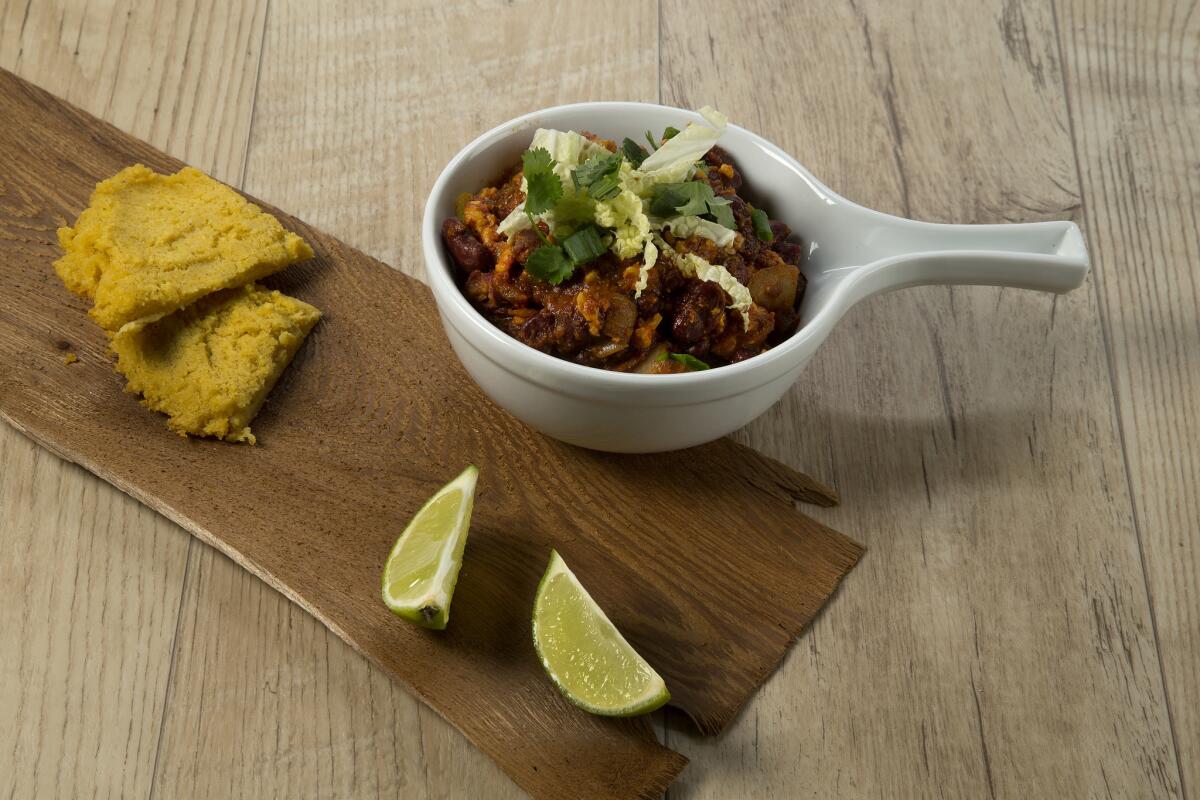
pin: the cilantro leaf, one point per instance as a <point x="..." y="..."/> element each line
<point x="689" y="197"/>
<point x="634" y="153"/>
<point x="762" y="225"/>
<point x="666" y="198"/>
<point x="670" y="132"/>
<point x="699" y="195"/>
<point x="721" y="212"/>
<point x="544" y="186"/>
<point x="693" y="198"/>
<point x="594" y="169"/>
<point x="692" y="363"/>
<point x="550" y="264"/>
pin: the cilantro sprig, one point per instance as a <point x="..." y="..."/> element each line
<point x="543" y="191"/>
<point x="695" y="198"/>
<point x="545" y="188"/>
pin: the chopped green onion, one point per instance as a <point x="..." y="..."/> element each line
<point x="594" y="169"/>
<point x="762" y="225"/>
<point x="605" y="187"/>
<point x="584" y="245"/>
<point x="670" y="132"/>
<point x="634" y="153"/>
<point x="598" y="176"/>
<point x="691" y="362"/>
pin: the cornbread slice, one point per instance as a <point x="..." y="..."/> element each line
<point x="210" y="366"/>
<point x="150" y="244"/>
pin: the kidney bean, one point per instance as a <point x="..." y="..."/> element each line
<point x="468" y="252"/>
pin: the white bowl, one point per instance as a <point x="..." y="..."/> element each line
<point x="852" y="253"/>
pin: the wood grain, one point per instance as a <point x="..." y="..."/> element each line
<point x="1134" y="90"/>
<point x="1000" y="618"/>
<point x="91" y="580"/>
<point x="360" y="432"/>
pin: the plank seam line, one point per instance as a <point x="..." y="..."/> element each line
<point x="262" y="44"/>
<point x="658" y="41"/>
<point x="162" y="719"/>
<point x="1116" y="401"/>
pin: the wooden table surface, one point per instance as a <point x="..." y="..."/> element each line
<point x="1023" y="468"/>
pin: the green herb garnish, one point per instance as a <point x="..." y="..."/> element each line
<point x="762" y="225"/>
<point x="688" y="197"/>
<point x="606" y="188"/>
<point x="694" y="198"/>
<point x="720" y="209"/>
<point x="634" y="153"/>
<point x="691" y="362"/>
<point x="594" y="169"/>
<point x="550" y="264"/>
<point x="584" y="245"/>
<point x="598" y="176"/>
<point x="670" y="132"/>
<point x="554" y="263"/>
<point x="544" y="188"/>
<point x="650" y="139"/>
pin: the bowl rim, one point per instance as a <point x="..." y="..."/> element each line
<point x="761" y="368"/>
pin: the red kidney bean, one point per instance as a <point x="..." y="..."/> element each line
<point x="468" y="252"/>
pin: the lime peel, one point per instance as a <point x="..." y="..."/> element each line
<point x="585" y="655"/>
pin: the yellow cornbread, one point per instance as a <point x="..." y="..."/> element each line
<point x="211" y="365"/>
<point x="150" y="244"/>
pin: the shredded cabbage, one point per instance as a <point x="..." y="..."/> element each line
<point x="516" y="221"/>
<point x="689" y="225"/>
<point x="689" y="145"/>
<point x="693" y="265"/>
<point x="649" y="259"/>
<point x="631" y="226"/>
<point x="568" y="149"/>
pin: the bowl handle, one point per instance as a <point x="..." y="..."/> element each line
<point x="1046" y="256"/>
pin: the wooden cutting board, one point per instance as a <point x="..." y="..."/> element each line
<point x="700" y="558"/>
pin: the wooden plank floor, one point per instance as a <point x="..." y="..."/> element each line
<point x="1022" y="468"/>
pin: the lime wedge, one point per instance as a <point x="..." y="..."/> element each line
<point x="584" y="653"/>
<point x="419" y="577"/>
